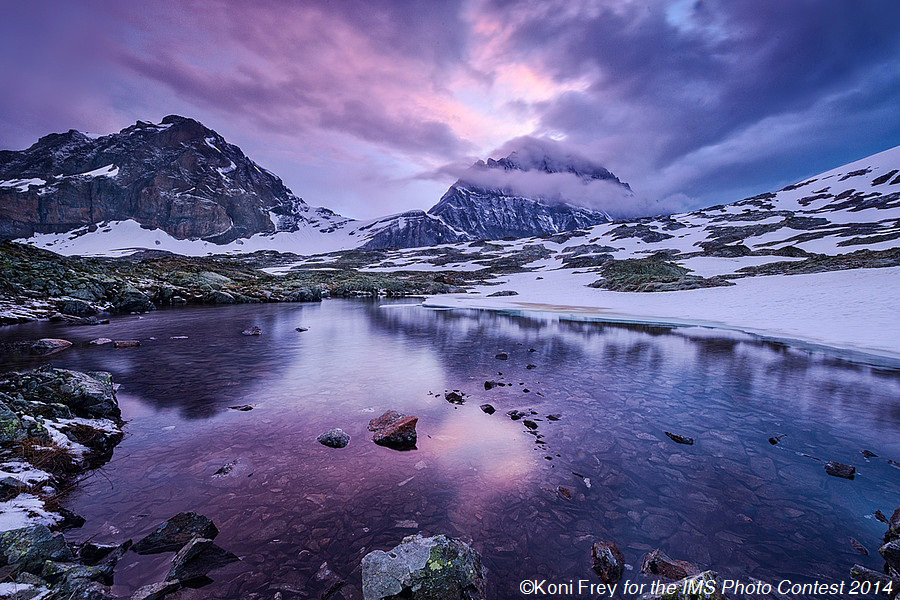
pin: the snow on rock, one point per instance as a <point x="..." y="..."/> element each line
<point x="25" y="510"/>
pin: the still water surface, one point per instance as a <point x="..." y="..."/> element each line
<point x="731" y="502"/>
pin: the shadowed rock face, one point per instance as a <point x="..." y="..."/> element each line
<point x="178" y="176"/>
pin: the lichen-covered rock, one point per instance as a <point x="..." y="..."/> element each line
<point x="389" y="416"/>
<point x="197" y="558"/>
<point x="41" y="347"/>
<point x="702" y="586"/>
<point x="861" y="573"/>
<point x="29" y="548"/>
<point x="174" y="533"/>
<point x="76" y="307"/>
<point x="88" y="395"/>
<point x="132" y="300"/>
<point x="607" y="561"/>
<point x="420" y="568"/>
<point x="891" y="554"/>
<point x="156" y="591"/>
<point x="334" y="438"/>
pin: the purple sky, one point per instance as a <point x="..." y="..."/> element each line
<point x="368" y="107"/>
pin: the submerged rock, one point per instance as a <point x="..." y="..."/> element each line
<point x="127" y="343"/>
<point x="252" y="330"/>
<point x="658" y="563"/>
<point x="174" y="533"/>
<point x="334" y="438"/>
<point x="681" y="439"/>
<point x="489" y="385"/>
<point x="243" y="407"/>
<point x="197" y="558"/>
<point x="501" y="356"/>
<point x="607" y="561"/>
<point x="420" y="568"/>
<point x="836" y="469"/>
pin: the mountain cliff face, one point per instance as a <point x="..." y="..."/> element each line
<point x="485" y="205"/>
<point x="177" y="176"/>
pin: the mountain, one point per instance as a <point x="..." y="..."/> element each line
<point x="490" y="202"/>
<point x="176" y="176"/>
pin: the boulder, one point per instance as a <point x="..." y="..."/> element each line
<point x="334" y="438"/>
<point x="197" y="558"/>
<point x="89" y="321"/>
<point x="607" y="561"/>
<point x="702" y="586"/>
<point x="891" y="554"/>
<point x="658" y="563"/>
<point x="29" y="548"/>
<point x="133" y="301"/>
<point x="76" y="307"/>
<point x="88" y="395"/>
<point x="174" y="533"/>
<point x="836" y="469"/>
<point x="432" y="568"/>
<point x="156" y="591"/>
<point x="399" y="435"/>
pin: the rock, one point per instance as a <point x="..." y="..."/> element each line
<point x="88" y="395"/>
<point x="836" y="469"/>
<point x="891" y="554"/>
<point x="334" y="438"/>
<point x="76" y="588"/>
<point x="420" y="568"/>
<point x="133" y="301"/>
<point x="156" y="591"/>
<point x="399" y="435"/>
<point x="702" y="586"/>
<point x="776" y="438"/>
<point x="503" y="293"/>
<point x="501" y="356"/>
<point x="100" y="342"/>
<point x="530" y="424"/>
<point x="554" y="417"/>
<point x="880" y="516"/>
<point x="489" y="409"/>
<point x="85" y="321"/>
<point x="41" y="347"/>
<point x="90" y="553"/>
<point x="515" y="415"/>
<point x="861" y="573"/>
<point x="242" y="407"/>
<point x="75" y="307"/>
<point x="252" y="330"/>
<point x="174" y="533"/>
<point x="564" y="492"/>
<point x="27" y="549"/>
<point x="680" y="438"/>
<point x="455" y="397"/>
<point x="329" y="580"/>
<point x="893" y="531"/>
<point x="858" y="547"/>
<point x="658" y="563"/>
<point x="218" y="297"/>
<point x="384" y="420"/>
<point x="197" y="558"/>
<point x="127" y="343"/>
<point x="301" y="329"/>
<point x="607" y="561"/>
<point x="489" y="385"/>
<point x="868" y="454"/>
<point x="530" y="367"/>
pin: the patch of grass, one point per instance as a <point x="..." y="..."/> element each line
<point x="46" y="456"/>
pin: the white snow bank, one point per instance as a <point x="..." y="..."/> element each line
<point x="854" y="310"/>
<point x="25" y="510"/>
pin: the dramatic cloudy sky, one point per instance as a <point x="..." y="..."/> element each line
<point x="369" y="107"/>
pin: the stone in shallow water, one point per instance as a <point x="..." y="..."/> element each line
<point x="836" y="469"/>
<point x="174" y="533"/>
<point x="488" y="408"/>
<point x="41" y="347"/>
<point x="252" y="330"/>
<point x="433" y="568"/>
<point x="100" y="341"/>
<point x="607" y="561"/>
<point x="197" y="558"/>
<point x="399" y="435"/>
<point x="681" y="439"/>
<point x="334" y="438"/>
<point x="156" y="591"/>
<point x="658" y="563"/>
<point x="501" y="356"/>
<point x="127" y="343"/>
<point x="384" y="420"/>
